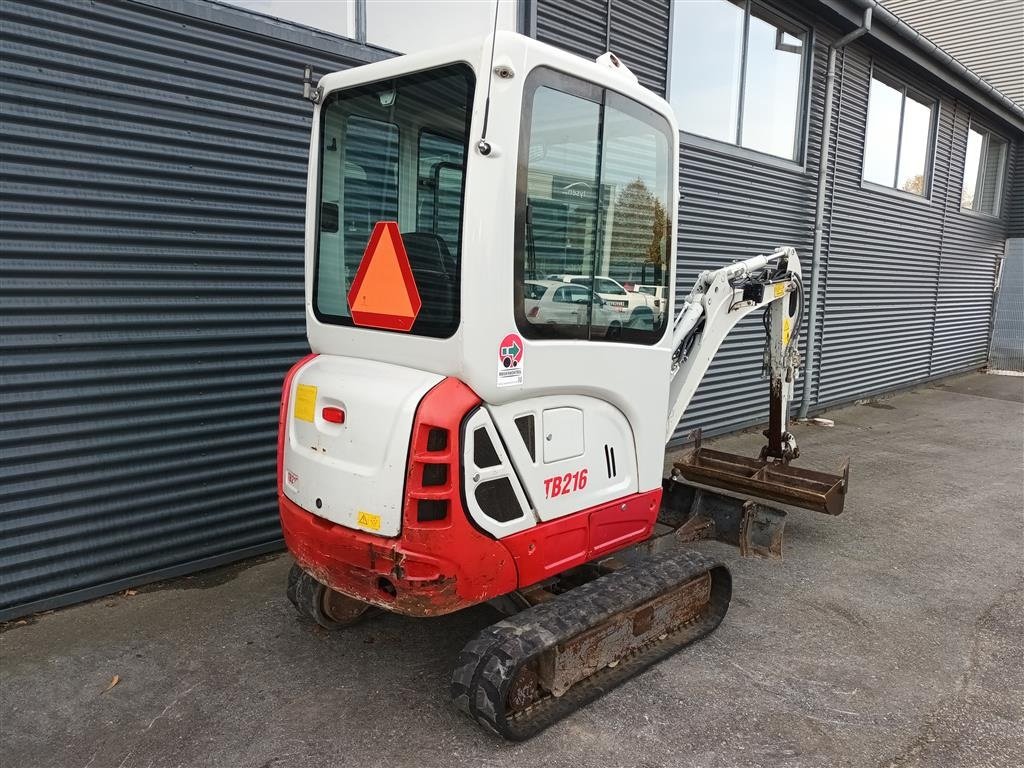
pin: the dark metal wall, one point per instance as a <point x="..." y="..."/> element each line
<point x="588" y="28"/>
<point x="909" y="281"/>
<point x="906" y="290"/>
<point x="1015" y="207"/>
<point x="988" y="37"/>
<point x="151" y="223"/>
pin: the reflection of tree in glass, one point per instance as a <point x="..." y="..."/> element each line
<point x="638" y="231"/>
<point x="914" y="184"/>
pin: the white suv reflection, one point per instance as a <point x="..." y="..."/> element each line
<point x="612" y="291"/>
<point x="557" y="303"/>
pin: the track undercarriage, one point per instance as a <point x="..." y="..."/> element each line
<point x="569" y="639"/>
<point x="530" y="670"/>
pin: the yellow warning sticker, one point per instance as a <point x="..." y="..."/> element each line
<point x="367" y="520"/>
<point x="780" y="290"/>
<point x="785" y="331"/>
<point x="305" y="402"/>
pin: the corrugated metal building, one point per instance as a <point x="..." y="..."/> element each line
<point x="988" y="37"/>
<point x="153" y="174"/>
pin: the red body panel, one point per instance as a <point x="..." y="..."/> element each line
<point x="438" y="566"/>
<point x="433" y="567"/>
<point x="550" y="548"/>
<point x="282" y="418"/>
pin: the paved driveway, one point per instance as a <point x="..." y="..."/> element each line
<point x="889" y="637"/>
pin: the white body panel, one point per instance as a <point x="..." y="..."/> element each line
<point x="633" y="379"/>
<point x="477" y="476"/>
<point x="589" y="398"/>
<point x="358" y="466"/>
<point x="571" y="434"/>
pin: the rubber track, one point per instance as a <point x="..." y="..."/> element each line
<point x="488" y="664"/>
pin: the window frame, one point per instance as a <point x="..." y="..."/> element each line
<point x="982" y="127"/>
<point x="803" y="117"/>
<point x="340" y="321"/>
<point x="555" y="79"/>
<point x="883" y="75"/>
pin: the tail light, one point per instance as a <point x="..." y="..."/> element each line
<point x="333" y="415"/>
<point x="431" y="460"/>
<point x="432" y="484"/>
<point x="533" y="312"/>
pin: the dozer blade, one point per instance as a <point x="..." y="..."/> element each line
<point x="780" y="483"/>
<point x="529" y="671"/>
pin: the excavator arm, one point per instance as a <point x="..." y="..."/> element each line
<point x="718" y="301"/>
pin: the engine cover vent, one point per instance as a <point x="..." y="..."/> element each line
<point x="609" y="460"/>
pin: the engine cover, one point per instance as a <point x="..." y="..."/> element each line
<point x="346" y="440"/>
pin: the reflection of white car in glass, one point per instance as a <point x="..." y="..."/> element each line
<point x="613" y="293"/>
<point x="551" y="302"/>
<point x="658" y="301"/>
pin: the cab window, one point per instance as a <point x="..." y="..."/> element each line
<point x="571" y="294"/>
<point x="592" y="208"/>
<point x="609" y="286"/>
<point x="394" y="150"/>
<point x="534" y="291"/>
<point x="439" y="185"/>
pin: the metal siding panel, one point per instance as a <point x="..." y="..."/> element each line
<point x="882" y="267"/>
<point x="1015" y="190"/>
<point x="972" y="247"/>
<point x="733" y="208"/>
<point x="636" y="31"/>
<point x="580" y="27"/>
<point x="985" y="36"/>
<point x="909" y="281"/>
<point x="640" y="34"/>
<point x="152" y="232"/>
<point x="1008" y="329"/>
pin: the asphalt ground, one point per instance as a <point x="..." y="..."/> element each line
<point x="890" y="637"/>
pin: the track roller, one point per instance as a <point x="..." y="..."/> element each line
<point x="529" y="671"/>
<point x="317" y="602"/>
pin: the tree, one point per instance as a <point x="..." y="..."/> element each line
<point x="914" y="184"/>
<point x="638" y="230"/>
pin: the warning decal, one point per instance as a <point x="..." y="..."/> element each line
<point x="384" y="293"/>
<point x="510" y="361"/>
<point x="368" y="520"/>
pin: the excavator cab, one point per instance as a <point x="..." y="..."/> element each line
<point x="485" y="411"/>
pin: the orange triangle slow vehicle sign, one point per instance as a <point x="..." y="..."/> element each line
<point x="384" y="293"/>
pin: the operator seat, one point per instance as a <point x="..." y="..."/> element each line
<point x="433" y="267"/>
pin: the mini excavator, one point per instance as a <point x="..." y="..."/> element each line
<point x="484" y="415"/>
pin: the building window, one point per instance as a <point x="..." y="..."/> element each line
<point x="983" y="171"/>
<point x="738" y="75"/>
<point x="898" y="142"/>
